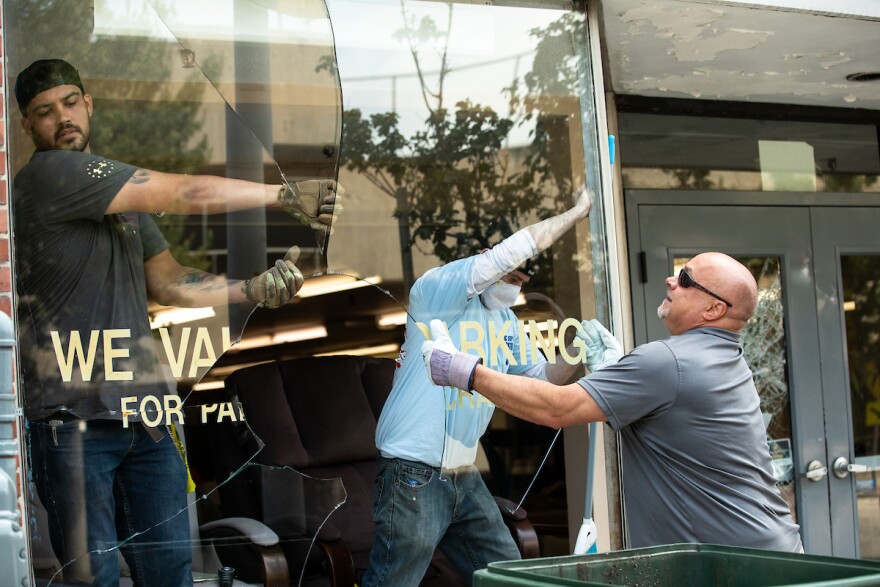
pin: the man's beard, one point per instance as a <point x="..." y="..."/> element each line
<point x="662" y="312"/>
<point x="79" y="142"/>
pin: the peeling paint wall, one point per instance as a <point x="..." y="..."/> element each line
<point x="696" y="50"/>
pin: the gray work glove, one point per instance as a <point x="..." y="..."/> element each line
<point x="316" y="202"/>
<point x="602" y="349"/>
<point x="278" y="284"/>
<point x="447" y="366"/>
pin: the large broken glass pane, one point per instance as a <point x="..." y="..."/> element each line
<point x="461" y="124"/>
<point x="273" y="66"/>
<point x="132" y="283"/>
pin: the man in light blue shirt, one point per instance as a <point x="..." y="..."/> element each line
<point x="428" y="492"/>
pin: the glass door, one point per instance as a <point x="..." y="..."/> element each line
<point x="781" y="342"/>
<point x="847" y="261"/>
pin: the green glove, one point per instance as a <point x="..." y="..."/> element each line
<point x="315" y="202"/>
<point x="277" y="285"/>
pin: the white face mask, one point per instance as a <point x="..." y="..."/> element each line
<point x="500" y="296"/>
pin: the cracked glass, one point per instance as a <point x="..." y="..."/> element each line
<point x="181" y="409"/>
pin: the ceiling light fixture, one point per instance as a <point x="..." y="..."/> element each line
<point x="251" y="342"/>
<point x="542" y="326"/>
<point x="327" y="284"/>
<point x="298" y="334"/>
<point x="390" y="320"/>
<point x="208" y="385"/>
<point x="384" y="349"/>
<point x="180" y="316"/>
<point x="283" y="337"/>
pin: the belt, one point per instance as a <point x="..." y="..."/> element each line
<point x="63" y="417"/>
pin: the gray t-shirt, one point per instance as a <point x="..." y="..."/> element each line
<point x="695" y="459"/>
<point x="80" y="276"/>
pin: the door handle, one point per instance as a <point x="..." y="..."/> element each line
<point x="815" y="471"/>
<point x="842" y="468"/>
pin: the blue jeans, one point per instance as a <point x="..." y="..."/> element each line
<point x="100" y="484"/>
<point x="418" y="508"/>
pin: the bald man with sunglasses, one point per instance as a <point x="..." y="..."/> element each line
<point x="695" y="462"/>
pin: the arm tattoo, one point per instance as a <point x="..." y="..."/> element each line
<point x="140" y="176"/>
<point x="202" y="281"/>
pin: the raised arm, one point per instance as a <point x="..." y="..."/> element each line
<point x="524" y="244"/>
<point x="547" y="232"/>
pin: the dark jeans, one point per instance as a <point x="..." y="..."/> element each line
<point x="101" y="484"/>
<point x="419" y="508"/>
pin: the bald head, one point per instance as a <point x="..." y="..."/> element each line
<point x="730" y="279"/>
<point x="720" y="292"/>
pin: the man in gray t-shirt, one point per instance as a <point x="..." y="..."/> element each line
<point x="695" y="463"/>
<point x="88" y="258"/>
<point x="695" y="459"/>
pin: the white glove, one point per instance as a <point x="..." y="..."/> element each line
<point x="447" y="366"/>
<point x="312" y="201"/>
<point x="602" y="348"/>
<point x="277" y="285"/>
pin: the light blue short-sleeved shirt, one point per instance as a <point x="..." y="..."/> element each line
<point x="442" y="426"/>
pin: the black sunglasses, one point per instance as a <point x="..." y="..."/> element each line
<point x="685" y="280"/>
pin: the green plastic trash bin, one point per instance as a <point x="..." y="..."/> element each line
<point x="683" y="565"/>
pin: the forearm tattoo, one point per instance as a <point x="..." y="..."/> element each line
<point x="140" y="176"/>
<point x="202" y="281"/>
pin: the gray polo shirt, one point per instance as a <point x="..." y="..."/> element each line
<point x="695" y="460"/>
